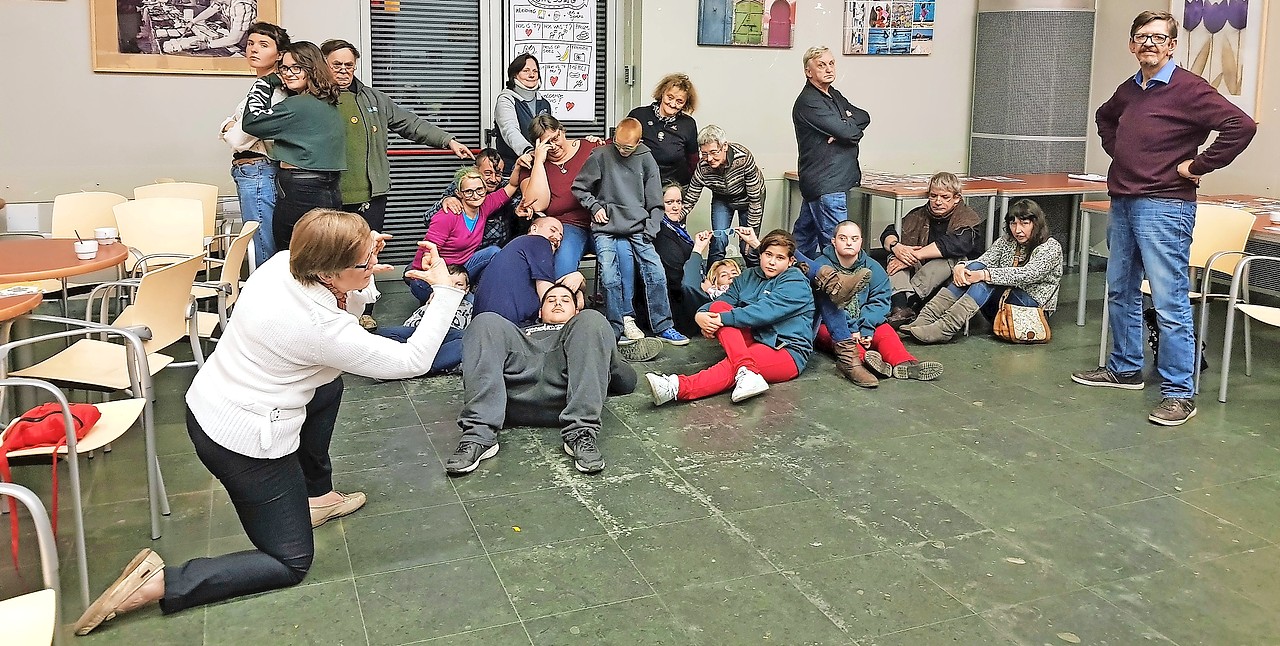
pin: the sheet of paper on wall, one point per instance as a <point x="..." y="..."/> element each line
<point x="562" y="35"/>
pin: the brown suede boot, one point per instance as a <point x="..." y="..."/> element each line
<point x="850" y="365"/>
<point x="842" y="287"/>
<point x="933" y="310"/>
<point x="947" y="325"/>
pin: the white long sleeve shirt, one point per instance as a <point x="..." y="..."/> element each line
<point x="287" y="339"/>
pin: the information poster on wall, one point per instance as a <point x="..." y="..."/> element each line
<point x="562" y="35"/>
<point x="884" y="27"/>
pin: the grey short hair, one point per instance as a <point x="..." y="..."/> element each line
<point x="947" y="182"/>
<point x="812" y="53"/>
<point x="712" y="134"/>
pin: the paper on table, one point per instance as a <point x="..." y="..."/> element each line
<point x="1088" y="177"/>
<point x="19" y="290"/>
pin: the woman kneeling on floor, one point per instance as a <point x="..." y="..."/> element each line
<point x="1024" y="266"/>
<point x="262" y="410"/>
<point x="764" y="321"/>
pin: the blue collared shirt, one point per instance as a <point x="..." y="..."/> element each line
<point x="1162" y="77"/>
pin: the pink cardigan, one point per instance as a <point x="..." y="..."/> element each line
<point x="449" y="231"/>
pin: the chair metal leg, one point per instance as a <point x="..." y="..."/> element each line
<point x="1226" y="350"/>
<point x="77" y="507"/>
<point x="1248" y="333"/>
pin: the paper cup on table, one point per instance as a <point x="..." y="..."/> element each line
<point x="106" y="235"/>
<point x="86" y="249"/>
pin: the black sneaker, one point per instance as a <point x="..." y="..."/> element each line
<point x="1107" y="379"/>
<point x="1173" y="411"/>
<point x="586" y="455"/>
<point x="468" y="457"/>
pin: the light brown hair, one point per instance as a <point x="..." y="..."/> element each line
<point x="779" y="238"/>
<point x="680" y="82"/>
<point x="320" y="83"/>
<point x="1147" y="17"/>
<point x="542" y="124"/>
<point x="325" y="242"/>
<point x="947" y="182"/>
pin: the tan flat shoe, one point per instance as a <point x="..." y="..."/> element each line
<point x="325" y="513"/>
<point x="141" y="569"/>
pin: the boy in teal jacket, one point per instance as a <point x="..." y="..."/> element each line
<point x="765" y="322"/>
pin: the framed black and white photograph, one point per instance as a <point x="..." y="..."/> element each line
<point x="175" y="36"/>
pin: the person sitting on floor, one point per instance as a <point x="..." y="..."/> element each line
<point x="764" y="322"/>
<point x="501" y="225"/>
<point x="517" y="278"/>
<point x="459" y="235"/>
<point x="556" y="372"/>
<point x="1025" y="263"/>
<point x="857" y="332"/>
<point x="700" y="287"/>
<point x="933" y="239"/>
<point x="449" y="356"/>
<point x="674" y="245"/>
<point x="620" y="187"/>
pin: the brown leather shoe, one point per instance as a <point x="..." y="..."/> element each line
<point x="145" y="566"/>
<point x="842" y="287"/>
<point x="325" y="513"/>
<point x="900" y="316"/>
<point x="849" y="365"/>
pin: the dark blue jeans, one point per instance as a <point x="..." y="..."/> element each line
<point x="817" y="222"/>
<point x="448" y="357"/>
<point x="987" y="296"/>
<point x="270" y="496"/>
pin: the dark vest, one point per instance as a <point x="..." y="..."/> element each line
<point x="525" y="117"/>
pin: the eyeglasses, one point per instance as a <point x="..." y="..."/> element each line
<point x="338" y="67"/>
<point x="708" y="154"/>
<point x="368" y="262"/>
<point x="627" y="148"/>
<point x="723" y="233"/>
<point x="295" y="70"/>
<point x="471" y="192"/>
<point x="1157" y="39"/>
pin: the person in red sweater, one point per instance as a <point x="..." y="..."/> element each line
<point x="1152" y="128"/>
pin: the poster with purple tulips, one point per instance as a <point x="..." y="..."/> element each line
<point x="1222" y="41"/>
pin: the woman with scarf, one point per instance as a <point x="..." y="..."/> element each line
<point x="516" y="107"/>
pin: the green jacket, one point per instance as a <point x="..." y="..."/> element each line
<point x="305" y="131"/>
<point x="382" y="114"/>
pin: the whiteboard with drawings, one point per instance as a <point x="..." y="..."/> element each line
<point x="562" y="35"/>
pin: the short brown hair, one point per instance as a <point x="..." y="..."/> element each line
<point x="779" y="238"/>
<point x="542" y="124"/>
<point x="334" y="44"/>
<point x="680" y="82"/>
<point x="1028" y="211"/>
<point x="325" y="242"/>
<point x="1151" y="16"/>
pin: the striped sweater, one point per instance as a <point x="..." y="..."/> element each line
<point x="738" y="181"/>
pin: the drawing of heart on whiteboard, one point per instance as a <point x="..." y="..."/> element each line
<point x="568" y="105"/>
<point x="555" y="80"/>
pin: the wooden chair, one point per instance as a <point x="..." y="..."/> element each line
<point x="32" y="619"/>
<point x="1217" y="242"/>
<point x="1238" y="301"/>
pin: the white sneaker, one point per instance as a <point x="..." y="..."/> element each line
<point x="664" y="387"/>
<point x="747" y="384"/>
<point x="630" y="329"/>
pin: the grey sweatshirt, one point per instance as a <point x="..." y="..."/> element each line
<point x="629" y="189"/>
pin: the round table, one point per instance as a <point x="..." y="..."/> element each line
<point x="27" y="259"/>
<point x="15" y="306"/>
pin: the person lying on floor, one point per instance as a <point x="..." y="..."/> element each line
<point x="764" y="322"/>
<point x="557" y="372"/>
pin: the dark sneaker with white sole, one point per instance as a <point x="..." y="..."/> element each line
<point x="1105" y="378"/>
<point x="1173" y="411"/>
<point x="468" y="457"/>
<point x="585" y="453"/>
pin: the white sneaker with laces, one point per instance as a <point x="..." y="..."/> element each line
<point x="630" y="329"/>
<point x="747" y="384"/>
<point x="664" y="387"/>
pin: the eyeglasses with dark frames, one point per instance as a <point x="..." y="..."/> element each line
<point x="292" y="69"/>
<point x="1155" y="39"/>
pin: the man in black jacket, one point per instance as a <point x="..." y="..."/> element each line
<point x="828" y="129"/>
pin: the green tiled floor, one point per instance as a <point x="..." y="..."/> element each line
<point x="1001" y="504"/>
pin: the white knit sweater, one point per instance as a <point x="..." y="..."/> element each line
<point x="285" y="340"/>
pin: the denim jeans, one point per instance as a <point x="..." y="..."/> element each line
<point x="448" y="357"/>
<point x="835" y="318"/>
<point x="722" y="218"/>
<point x="256" y="187"/>
<point x="1151" y="237"/>
<point x="817" y="221"/>
<point x="299" y="191"/>
<point x="651" y="272"/>
<point x="987" y="296"/>
<point x="478" y="261"/>
<point x="270" y="496"/>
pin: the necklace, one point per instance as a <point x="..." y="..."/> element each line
<point x="561" y="167"/>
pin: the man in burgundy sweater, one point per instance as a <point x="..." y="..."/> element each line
<point x="1152" y="128"/>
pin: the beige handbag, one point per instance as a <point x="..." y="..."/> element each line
<point x="1020" y="324"/>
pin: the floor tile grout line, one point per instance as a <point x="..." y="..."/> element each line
<point x="479" y="539"/>
<point x="346" y="549"/>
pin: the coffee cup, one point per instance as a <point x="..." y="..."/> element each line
<point x="106" y="235"/>
<point x="86" y="249"/>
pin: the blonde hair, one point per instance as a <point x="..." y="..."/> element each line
<point x="680" y="82"/>
<point x="325" y="242"/>
<point x="812" y="53"/>
<point x="466" y="172"/>
<point x="721" y="264"/>
<point x="946" y="181"/>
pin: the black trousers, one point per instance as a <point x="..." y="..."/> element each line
<point x="299" y="191"/>
<point x="270" y="496"/>
<point x="374" y="211"/>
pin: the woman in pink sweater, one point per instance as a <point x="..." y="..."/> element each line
<point x="458" y="235"/>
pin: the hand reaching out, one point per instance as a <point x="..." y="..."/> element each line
<point x="701" y="240"/>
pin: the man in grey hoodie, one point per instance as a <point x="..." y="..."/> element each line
<point x="621" y="188"/>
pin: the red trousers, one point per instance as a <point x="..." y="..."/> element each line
<point x="885" y="341"/>
<point x="741" y="351"/>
